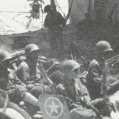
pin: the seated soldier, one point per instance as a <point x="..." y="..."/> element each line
<point x="4" y="79"/>
<point x="19" y="92"/>
<point x="9" y="109"/>
<point x="27" y="68"/>
<point x="74" y="88"/>
<point x="76" y="91"/>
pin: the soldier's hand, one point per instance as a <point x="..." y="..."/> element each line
<point x="60" y="87"/>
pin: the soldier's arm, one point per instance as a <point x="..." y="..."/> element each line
<point x="96" y="101"/>
<point x="24" y="69"/>
<point x="114" y="83"/>
<point x="112" y="88"/>
<point x="82" y="92"/>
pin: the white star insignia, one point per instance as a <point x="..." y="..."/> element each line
<point x="53" y="107"/>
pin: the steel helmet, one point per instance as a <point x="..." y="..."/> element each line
<point x="103" y="46"/>
<point x="4" y="55"/>
<point x="31" y="48"/>
<point x="70" y="65"/>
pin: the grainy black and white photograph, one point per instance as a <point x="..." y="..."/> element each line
<point x="59" y="59"/>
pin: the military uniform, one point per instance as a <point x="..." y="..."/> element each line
<point x="97" y="82"/>
<point x="94" y="79"/>
<point x="23" y="72"/>
<point x="10" y="105"/>
<point x="5" y="104"/>
<point x="76" y="91"/>
<point x="32" y="54"/>
<point x="74" y="88"/>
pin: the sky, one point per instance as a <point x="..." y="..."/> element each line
<point x="13" y="21"/>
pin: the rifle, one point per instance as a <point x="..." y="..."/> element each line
<point x="91" y="106"/>
<point x="104" y="81"/>
<point x="44" y="74"/>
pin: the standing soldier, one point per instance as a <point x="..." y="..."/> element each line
<point x="97" y="82"/>
<point x="96" y="74"/>
<point x="54" y="22"/>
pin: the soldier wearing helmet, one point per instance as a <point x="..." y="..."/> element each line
<point x="30" y="48"/>
<point x="74" y="88"/>
<point x="96" y="69"/>
<point x="104" y="49"/>
<point x="98" y="84"/>
<point x="32" y="52"/>
<point x="5" y="62"/>
<point x="27" y="68"/>
<point x="103" y="46"/>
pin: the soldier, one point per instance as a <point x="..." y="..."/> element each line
<point x="54" y="22"/>
<point x="34" y="70"/>
<point x="27" y="68"/>
<point x="97" y="78"/>
<point x="26" y="72"/>
<point x="74" y="88"/>
<point x="96" y="69"/>
<point x="5" y="59"/>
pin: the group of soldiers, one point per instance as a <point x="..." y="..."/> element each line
<point x="25" y="77"/>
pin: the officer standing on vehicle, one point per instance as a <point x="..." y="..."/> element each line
<point x="97" y="71"/>
<point x="54" y="21"/>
